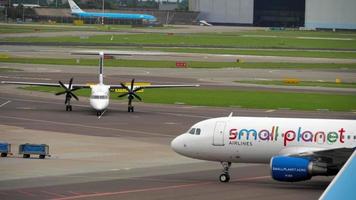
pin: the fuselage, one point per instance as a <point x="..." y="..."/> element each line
<point x="257" y="140"/>
<point x="99" y="98"/>
<point x="116" y="16"/>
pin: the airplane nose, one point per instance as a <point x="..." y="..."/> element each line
<point x="177" y="144"/>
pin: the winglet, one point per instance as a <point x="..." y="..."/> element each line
<point x="231" y="114"/>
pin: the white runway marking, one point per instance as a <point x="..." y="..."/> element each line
<point x="2" y="105"/>
<point x="268" y="111"/>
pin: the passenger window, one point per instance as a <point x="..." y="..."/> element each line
<point x="192" y="131"/>
<point x="197" y="132"/>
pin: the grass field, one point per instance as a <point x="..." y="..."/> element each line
<point x="172" y="64"/>
<point x="301" y="83"/>
<point x="252" y="39"/>
<point x="236" y="98"/>
<point x="5" y="69"/>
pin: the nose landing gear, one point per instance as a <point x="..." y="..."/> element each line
<point x="225" y="176"/>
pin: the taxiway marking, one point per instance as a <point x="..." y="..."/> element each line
<point x="2" y="105"/>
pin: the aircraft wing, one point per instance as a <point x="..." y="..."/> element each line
<point x="44" y="84"/>
<point x="152" y="86"/>
<point x="122" y="53"/>
<point x="342" y="186"/>
<point x="336" y="156"/>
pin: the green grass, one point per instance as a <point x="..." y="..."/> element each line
<point x="243" y="99"/>
<point x="5" y="69"/>
<point x="301" y="83"/>
<point x="284" y="39"/>
<point x="172" y="64"/>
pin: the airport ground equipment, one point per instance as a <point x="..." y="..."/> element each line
<point x="36" y="149"/>
<point x="5" y="149"/>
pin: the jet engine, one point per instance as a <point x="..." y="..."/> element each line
<point x="293" y="169"/>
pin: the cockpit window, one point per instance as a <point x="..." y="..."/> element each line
<point x="195" y="131"/>
<point x="99" y="97"/>
<point x="192" y="131"/>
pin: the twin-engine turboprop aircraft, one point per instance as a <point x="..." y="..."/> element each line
<point x="295" y="148"/>
<point x="100" y="93"/>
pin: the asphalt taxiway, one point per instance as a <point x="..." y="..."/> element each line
<point x="127" y="155"/>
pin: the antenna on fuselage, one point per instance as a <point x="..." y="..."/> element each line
<point x="101" y="67"/>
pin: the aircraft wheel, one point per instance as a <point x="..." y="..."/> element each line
<point x="224" y="178"/>
<point x="98" y="113"/>
<point x="130" y="109"/>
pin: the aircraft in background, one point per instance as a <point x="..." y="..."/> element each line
<point x="295" y="148"/>
<point x="100" y="93"/>
<point x="76" y="11"/>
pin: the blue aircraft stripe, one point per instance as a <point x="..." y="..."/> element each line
<point x="343" y="185"/>
<point x="117" y="16"/>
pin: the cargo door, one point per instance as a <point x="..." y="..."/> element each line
<point x="218" y="138"/>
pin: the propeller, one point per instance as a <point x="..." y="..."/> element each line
<point x="131" y="93"/>
<point x="68" y="91"/>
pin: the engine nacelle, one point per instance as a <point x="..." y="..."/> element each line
<point x="293" y="169"/>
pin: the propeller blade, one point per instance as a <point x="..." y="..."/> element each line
<point x="132" y="84"/>
<point x="125" y="87"/>
<point x="70" y="84"/>
<point x="60" y="93"/>
<point x="75" y="89"/>
<point x="60" y="83"/>
<point x="137" y="89"/>
<point x="123" y="95"/>
<point x="73" y="95"/>
<point x="137" y="97"/>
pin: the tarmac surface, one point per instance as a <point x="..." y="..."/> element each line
<point x="122" y="155"/>
<point x="127" y="155"/>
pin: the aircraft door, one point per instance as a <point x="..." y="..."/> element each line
<point x="218" y="137"/>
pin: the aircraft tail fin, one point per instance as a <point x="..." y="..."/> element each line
<point x="101" y="67"/>
<point x="74" y="7"/>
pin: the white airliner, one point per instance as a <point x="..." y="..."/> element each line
<point x="295" y="148"/>
<point x="100" y="93"/>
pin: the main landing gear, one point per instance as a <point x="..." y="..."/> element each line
<point x="98" y="113"/>
<point x="225" y="176"/>
<point x="130" y="108"/>
<point x="68" y="107"/>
